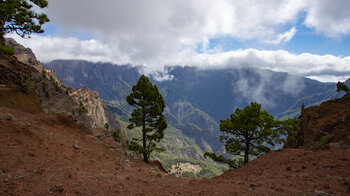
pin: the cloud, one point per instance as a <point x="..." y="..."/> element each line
<point x="321" y="67"/>
<point x="329" y="17"/>
<point x="283" y="38"/>
<point x="157" y="33"/>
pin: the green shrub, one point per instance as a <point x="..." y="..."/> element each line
<point x="117" y="135"/>
<point x="43" y="71"/>
<point x="57" y="87"/>
<point x="326" y="139"/>
<point x="27" y="86"/>
<point x="188" y="174"/>
<point x="7" y="50"/>
<point x="45" y="89"/>
<point x="106" y="126"/>
<point x="82" y="108"/>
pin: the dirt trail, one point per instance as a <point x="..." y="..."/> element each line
<point x="43" y="154"/>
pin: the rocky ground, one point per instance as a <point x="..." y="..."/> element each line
<point x="42" y="154"/>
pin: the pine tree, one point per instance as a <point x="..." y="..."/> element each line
<point x="341" y="86"/>
<point x="250" y="132"/>
<point x="18" y="16"/>
<point x="148" y="106"/>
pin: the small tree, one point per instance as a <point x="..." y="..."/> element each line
<point x="341" y="86"/>
<point x="18" y="16"/>
<point x="148" y="114"/>
<point x="248" y="131"/>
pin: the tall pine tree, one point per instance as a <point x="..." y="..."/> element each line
<point x="148" y="106"/>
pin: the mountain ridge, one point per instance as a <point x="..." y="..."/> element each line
<point x="211" y="95"/>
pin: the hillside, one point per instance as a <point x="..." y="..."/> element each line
<point x="46" y="92"/>
<point x="324" y="126"/>
<point x="54" y="96"/>
<point x="44" y="154"/>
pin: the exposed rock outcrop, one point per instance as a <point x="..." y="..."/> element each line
<point x="82" y="104"/>
<point x="24" y="55"/>
<point x="324" y="126"/>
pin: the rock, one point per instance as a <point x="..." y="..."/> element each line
<point x="320" y="193"/>
<point x="137" y="169"/>
<point x="6" y="116"/>
<point x="75" y="146"/>
<point x="253" y="186"/>
<point x="31" y="154"/>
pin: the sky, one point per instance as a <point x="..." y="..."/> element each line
<point x="309" y="38"/>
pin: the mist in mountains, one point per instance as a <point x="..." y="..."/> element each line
<point x="197" y="98"/>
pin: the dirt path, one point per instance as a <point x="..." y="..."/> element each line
<point x="51" y="155"/>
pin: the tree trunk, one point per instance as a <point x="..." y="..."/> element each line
<point x="246" y="152"/>
<point x="2" y="39"/>
<point x="145" y="157"/>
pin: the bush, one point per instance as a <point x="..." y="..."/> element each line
<point x="27" y="86"/>
<point x="106" y="126"/>
<point x="326" y="139"/>
<point x="43" y="71"/>
<point x="7" y="50"/>
<point x="117" y="135"/>
<point x="188" y="174"/>
<point x="45" y="89"/>
<point x="82" y="108"/>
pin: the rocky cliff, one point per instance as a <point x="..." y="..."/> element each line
<point x="81" y="104"/>
<point x="324" y="126"/>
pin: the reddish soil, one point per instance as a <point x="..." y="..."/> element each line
<point x="16" y="99"/>
<point x="43" y="154"/>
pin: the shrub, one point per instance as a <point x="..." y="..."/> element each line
<point x="82" y="108"/>
<point x="117" y="135"/>
<point x="7" y="50"/>
<point x="27" y="86"/>
<point x="45" y="89"/>
<point x="106" y="126"/>
<point x="188" y="174"/>
<point x="326" y="139"/>
<point x="43" y="71"/>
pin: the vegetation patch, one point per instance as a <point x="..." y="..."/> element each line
<point x="27" y="86"/>
<point x="82" y="108"/>
<point x="7" y="50"/>
<point x="326" y="139"/>
<point x="117" y="135"/>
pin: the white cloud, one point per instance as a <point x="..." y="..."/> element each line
<point x="283" y="38"/>
<point x="320" y="67"/>
<point x="156" y="33"/>
<point x="329" y="17"/>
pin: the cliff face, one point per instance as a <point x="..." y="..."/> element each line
<point x="324" y="126"/>
<point x="24" y="55"/>
<point x="82" y="104"/>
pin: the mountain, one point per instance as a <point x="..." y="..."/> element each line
<point x="196" y="98"/>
